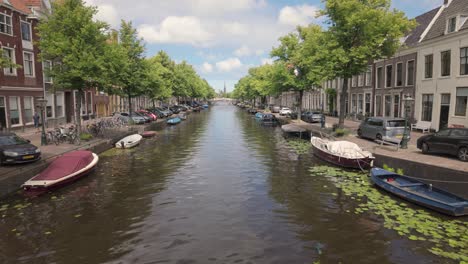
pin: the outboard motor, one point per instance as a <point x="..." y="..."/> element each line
<point x="122" y="144"/>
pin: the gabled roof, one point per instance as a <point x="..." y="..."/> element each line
<point x="455" y="8"/>
<point x="19" y="5"/>
<point x="423" y="22"/>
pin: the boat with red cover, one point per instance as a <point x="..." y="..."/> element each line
<point x="65" y="169"/>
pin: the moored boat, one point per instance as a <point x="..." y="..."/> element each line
<point x="259" y="115"/>
<point x="174" y="121"/>
<point x="342" y="153"/>
<point x="148" y="134"/>
<point x="129" y="142"/>
<point x="182" y="116"/>
<point x="205" y="106"/>
<point x="65" y="169"/>
<point x="419" y="193"/>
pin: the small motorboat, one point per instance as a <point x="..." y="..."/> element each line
<point x="269" y="119"/>
<point x="148" y="134"/>
<point x="342" y="153"/>
<point x="259" y="115"/>
<point x="65" y="169"/>
<point x="174" y="121"/>
<point x="129" y="142"/>
<point x="419" y="193"/>
<point x="183" y="116"/>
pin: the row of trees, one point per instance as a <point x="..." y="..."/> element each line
<point x="85" y="53"/>
<point x="358" y="32"/>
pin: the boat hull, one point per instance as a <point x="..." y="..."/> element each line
<point x="362" y="163"/>
<point x="148" y="134"/>
<point x="378" y="178"/>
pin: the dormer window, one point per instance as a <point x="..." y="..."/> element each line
<point x="452" y="25"/>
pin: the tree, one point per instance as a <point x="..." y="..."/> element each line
<point x="360" y="32"/>
<point x="156" y="84"/>
<point x="75" y="43"/>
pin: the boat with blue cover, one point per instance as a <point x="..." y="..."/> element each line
<point x="259" y="115"/>
<point x="205" y="106"/>
<point x="419" y="193"/>
<point x="174" y="121"/>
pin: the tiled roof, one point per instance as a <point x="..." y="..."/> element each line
<point x="456" y="7"/>
<point x="17" y="4"/>
<point x="423" y="22"/>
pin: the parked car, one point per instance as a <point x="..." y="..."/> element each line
<point x="451" y="141"/>
<point x="275" y="109"/>
<point x="157" y="112"/>
<point x="137" y="119"/>
<point x="149" y="114"/>
<point x="311" y="117"/>
<point x="383" y="128"/>
<point x="145" y="117"/>
<point x="285" y="111"/>
<point x="174" y="109"/>
<point x="14" y="149"/>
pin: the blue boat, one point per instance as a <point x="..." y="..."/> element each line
<point x="419" y="193"/>
<point x="205" y="106"/>
<point x="259" y="115"/>
<point x="174" y="121"/>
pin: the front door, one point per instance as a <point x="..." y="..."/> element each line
<point x="3" y="123"/>
<point x="69" y="107"/>
<point x="444" y="111"/>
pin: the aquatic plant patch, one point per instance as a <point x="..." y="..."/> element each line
<point x="446" y="237"/>
<point x="300" y="146"/>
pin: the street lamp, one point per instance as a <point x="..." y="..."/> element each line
<point x="408" y="100"/>
<point x="42" y="104"/>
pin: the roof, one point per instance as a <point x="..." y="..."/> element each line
<point x="456" y="7"/>
<point x="19" y="5"/>
<point x="423" y="22"/>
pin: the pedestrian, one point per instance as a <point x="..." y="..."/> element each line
<point x="36" y="120"/>
<point x="322" y="121"/>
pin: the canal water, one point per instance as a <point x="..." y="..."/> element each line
<point x="218" y="188"/>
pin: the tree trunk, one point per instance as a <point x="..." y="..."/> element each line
<point x="129" y="104"/>
<point x="154" y="103"/>
<point x="299" y="110"/>
<point x="343" y="97"/>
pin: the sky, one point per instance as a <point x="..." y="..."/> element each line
<point x="221" y="39"/>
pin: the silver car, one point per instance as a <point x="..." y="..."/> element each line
<point x="383" y="128"/>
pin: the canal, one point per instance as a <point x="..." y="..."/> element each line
<point x="218" y="188"/>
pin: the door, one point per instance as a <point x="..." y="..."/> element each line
<point x="444" y="111"/>
<point x="2" y="114"/>
<point x="68" y="107"/>
<point x="439" y="142"/>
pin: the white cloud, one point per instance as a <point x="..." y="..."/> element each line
<point x="173" y="29"/>
<point x="236" y="29"/>
<point x="259" y="52"/>
<point x="217" y="6"/>
<point x="207" y="67"/>
<point x="243" y="51"/>
<point x="228" y="65"/>
<point x="297" y="15"/>
<point x="267" y="61"/>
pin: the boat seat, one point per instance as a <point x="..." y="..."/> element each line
<point x="411" y="184"/>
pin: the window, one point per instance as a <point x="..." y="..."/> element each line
<point x="427" y="100"/>
<point x="50" y="105"/>
<point x="379" y="77"/>
<point x="361" y="80"/>
<point x="9" y="55"/>
<point x="5" y="24"/>
<point x="368" y="75"/>
<point x="28" y="64"/>
<point x="14" y="111"/>
<point x="47" y="67"/>
<point x="59" y="104"/>
<point x="452" y="24"/>
<point x="429" y="64"/>
<point x="378" y="105"/>
<point x="388" y="76"/>
<point x="354" y="81"/>
<point x="353" y="103"/>
<point x="464" y="61"/>
<point x="396" y="105"/>
<point x="368" y="103"/>
<point x="83" y="104"/>
<point x="410" y="73"/>
<point x="461" y="101"/>
<point x="445" y="63"/>
<point x="28" y="109"/>
<point x="26" y="31"/>
<point x="360" y="103"/>
<point x="388" y="105"/>
<point x="399" y="74"/>
<point x="89" y="101"/>
<point x="459" y="133"/>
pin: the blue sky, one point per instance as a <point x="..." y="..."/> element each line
<point x="221" y="39"/>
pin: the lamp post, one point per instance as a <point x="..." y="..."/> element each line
<point x="408" y="100"/>
<point x="42" y="104"/>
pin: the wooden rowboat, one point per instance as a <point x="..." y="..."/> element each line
<point x="419" y="193"/>
<point x="342" y="153"/>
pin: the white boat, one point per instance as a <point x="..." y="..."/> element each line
<point x="129" y="142"/>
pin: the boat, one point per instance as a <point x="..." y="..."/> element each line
<point x="183" y="116"/>
<point x="419" y="193"/>
<point x="205" y="106"/>
<point x="269" y="119"/>
<point x="129" y="142"/>
<point x="148" y="134"/>
<point x="63" y="170"/>
<point x="259" y="115"/>
<point x="174" y="121"/>
<point x="342" y="153"/>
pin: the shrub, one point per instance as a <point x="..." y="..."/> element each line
<point x="341" y="132"/>
<point x="86" y="136"/>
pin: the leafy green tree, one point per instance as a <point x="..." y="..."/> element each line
<point x="76" y="45"/>
<point x="156" y="84"/>
<point x="360" y="32"/>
